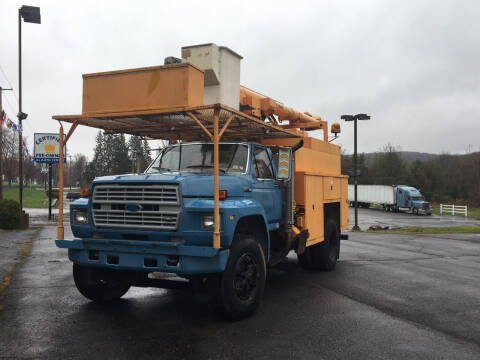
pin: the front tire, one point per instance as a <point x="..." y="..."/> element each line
<point x="99" y="285"/>
<point x="242" y="283"/>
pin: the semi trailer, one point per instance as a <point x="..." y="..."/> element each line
<point x="392" y="198"/>
<point x="240" y="185"/>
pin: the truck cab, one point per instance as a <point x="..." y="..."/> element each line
<point x="410" y="199"/>
<point x="171" y="205"/>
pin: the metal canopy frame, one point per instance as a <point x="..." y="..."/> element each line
<point x="206" y="122"/>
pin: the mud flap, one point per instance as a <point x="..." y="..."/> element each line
<point x="300" y="242"/>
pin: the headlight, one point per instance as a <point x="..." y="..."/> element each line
<point x="207" y="221"/>
<point x="80" y="216"/>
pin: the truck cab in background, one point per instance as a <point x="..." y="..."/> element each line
<point x="392" y="198"/>
<point x="410" y="199"/>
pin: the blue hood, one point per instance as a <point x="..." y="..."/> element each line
<point x="191" y="184"/>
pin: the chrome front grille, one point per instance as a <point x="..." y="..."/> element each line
<point x="136" y="206"/>
<point x="159" y="194"/>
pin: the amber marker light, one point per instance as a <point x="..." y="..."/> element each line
<point x="222" y="194"/>
<point x="85" y="192"/>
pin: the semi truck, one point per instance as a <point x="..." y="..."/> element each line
<point x="240" y="185"/>
<point x="392" y="198"/>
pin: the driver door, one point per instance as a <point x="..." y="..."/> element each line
<point x="265" y="187"/>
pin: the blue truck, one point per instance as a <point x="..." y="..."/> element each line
<point x="392" y="198"/>
<point x="133" y="225"/>
<point x="240" y="185"/>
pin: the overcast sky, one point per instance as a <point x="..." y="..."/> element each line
<point x="412" y="65"/>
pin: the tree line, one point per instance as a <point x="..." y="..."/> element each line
<point x="444" y="178"/>
<point x="10" y="161"/>
<point x="114" y="155"/>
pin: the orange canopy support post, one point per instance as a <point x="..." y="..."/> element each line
<point x="63" y="142"/>
<point x="216" y="210"/>
<point x="205" y="130"/>
<point x="60" y="229"/>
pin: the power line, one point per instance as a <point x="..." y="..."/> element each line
<point x="12" y="108"/>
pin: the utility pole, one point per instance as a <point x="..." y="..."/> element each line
<point x="49" y="191"/>
<point x="1" y="145"/>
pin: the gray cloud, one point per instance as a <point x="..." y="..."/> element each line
<point x="412" y="65"/>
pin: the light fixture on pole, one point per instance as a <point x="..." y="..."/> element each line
<point x="30" y="14"/>
<point x="354" y="118"/>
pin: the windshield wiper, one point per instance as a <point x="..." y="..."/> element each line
<point x="203" y="167"/>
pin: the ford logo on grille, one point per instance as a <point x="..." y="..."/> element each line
<point x="133" y="207"/>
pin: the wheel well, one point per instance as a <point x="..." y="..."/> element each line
<point x="332" y="211"/>
<point x="254" y="225"/>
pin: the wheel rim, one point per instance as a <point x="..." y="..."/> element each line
<point x="245" y="280"/>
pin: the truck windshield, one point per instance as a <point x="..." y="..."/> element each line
<point x="199" y="158"/>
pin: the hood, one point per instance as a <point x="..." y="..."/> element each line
<point x="191" y="184"/>
<point x="165" y="177"/>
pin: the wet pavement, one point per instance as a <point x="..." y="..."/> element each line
<point x="390" y="296"/>
<point x="369" y="217"/>
<point x="14" y="244"/>
<point x="39" y="216"/>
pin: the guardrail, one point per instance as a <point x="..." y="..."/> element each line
<point x="452" y="209"/>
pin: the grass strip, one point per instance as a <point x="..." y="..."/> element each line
<point x="32" y="197"/>
<point x="463" y="229"/>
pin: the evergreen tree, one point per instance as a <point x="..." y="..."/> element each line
<point x="120" y="160"/>
<point x="140" y="150"/>
<point x="147" y="154"/>
<point x="99" y="158"/>
<point x="110" y="156"/>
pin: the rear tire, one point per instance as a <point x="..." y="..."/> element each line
<point x="99" y="285"/>
<point x="305" y="259"/>
<point x="238" y="290"/>
<point x="323" y="256"/>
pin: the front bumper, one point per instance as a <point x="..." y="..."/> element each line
<point x="145" y="255"/>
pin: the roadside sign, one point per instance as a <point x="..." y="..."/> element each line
<point x="47" y="148"/>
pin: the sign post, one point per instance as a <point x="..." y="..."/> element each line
<point x="47" y="151"/>
<point x="49" y="191"/>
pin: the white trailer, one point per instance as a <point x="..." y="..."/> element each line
<point x="372" y="194"/>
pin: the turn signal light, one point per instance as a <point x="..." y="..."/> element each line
<point x="222" y="194"/>
<point x="85" y="192"/>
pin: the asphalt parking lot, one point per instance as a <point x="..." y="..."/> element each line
<point x="390" y="297"/>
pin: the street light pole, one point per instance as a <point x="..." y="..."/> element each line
<point x="355" y="174"/>
<point x="29" y="14"/>
<point x="354" y="118"/>
<point x="20" y="130"/>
